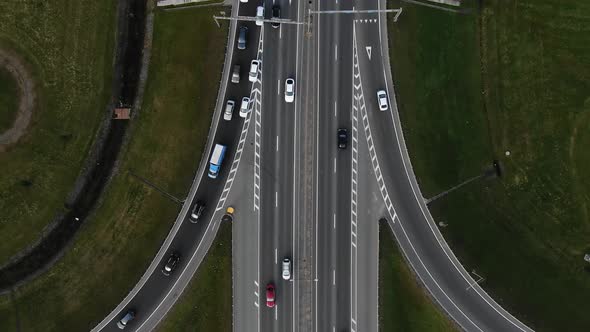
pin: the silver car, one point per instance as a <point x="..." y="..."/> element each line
<point x="235" y="76"/>
<point x="229" y="110"/>
<point x="129" y="316"/>
<point x="286" y="269"/>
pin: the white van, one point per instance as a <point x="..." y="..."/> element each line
<point x="259" y="15"/>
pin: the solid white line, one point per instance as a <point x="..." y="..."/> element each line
<point x="278" y="87"/>
<point x="276" y="199"/>
<point x="334" y="164"/>
<point x="277" y="142"/>
<point x="315" y="288"/>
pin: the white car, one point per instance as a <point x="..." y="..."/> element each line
<point x="259" y="15"/>
<point x="244" y="1"/>
<point x="254" y="66"/>
<point x="289" y="90"/>
<point x="229" y="110"/>
<point x="382" y="100"/>
<point x="286" y="269"/>
<point x="244" y="108"/>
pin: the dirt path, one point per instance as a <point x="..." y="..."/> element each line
<point x="26" y="88"/>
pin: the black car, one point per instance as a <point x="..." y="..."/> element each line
<point x="197" y="211"/>
<point x="171" y="264"/>
<point x="342" y="138"/>
<point x="276" y="13"/>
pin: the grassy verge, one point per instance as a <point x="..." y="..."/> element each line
<point x="511" y="77"/>
<point x="8" y="100"/>
<point x="206" y="304"/>
<point x="403" y="305"/>
<point x="114" y="248"/>
<point x="68" y="47"/>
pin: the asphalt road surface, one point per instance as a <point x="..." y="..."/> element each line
<point x="298" y="196"/>
<point x="421" y="242"/>
<point x="155" y="294"/>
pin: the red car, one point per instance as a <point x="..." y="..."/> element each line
<point x="270" y="295"/>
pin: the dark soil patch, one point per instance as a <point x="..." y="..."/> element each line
<point x="8" y="100"/>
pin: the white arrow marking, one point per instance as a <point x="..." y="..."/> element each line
<point x="368" y="48"/>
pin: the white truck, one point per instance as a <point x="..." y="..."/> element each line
<point x="216" y="160"/>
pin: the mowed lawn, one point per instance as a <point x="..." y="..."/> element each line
<point x="403" y="304"/>
<point x="513" y="76"/>
<point x="115" y="246"/>
<point x="67" y="46"/>
<point x="206" y="304"/>
<point x="9" y="94"/>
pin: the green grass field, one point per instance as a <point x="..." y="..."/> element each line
<point x="403" y="304"/>
<point x="113" y="249"/>
<point x="206" y="304"/>
<point x="68" y="48"/>
<point x="9" y="95"/>
<point x="514" y="77"/>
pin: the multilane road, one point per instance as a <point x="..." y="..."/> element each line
<point x="298" y="196"/>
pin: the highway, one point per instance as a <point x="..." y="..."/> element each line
<point x="349" y="190"/>
<point x="298" y="196"/>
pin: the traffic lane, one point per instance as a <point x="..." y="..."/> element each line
<point x="285" y="154"/>
<point x="342" y="276"/>
<point x="158" y="285"/>
<point x="413" y="232"/>
<point x="285" y="205"/>
<point x="273" y="174"/>
<point x="344" y="228"/>
<point x="335" y="197"/>
<point x="428" y="258"/>
<point x="279" y="115"/>
<point x="189" y="235"/>
<point x="289" y="33"/>
<point x="208" y="191"/>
